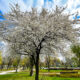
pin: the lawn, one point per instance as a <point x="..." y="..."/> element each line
<point x="51" y="71"/>
<point x="25" y="76"/>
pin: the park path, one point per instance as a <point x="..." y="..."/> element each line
<point x="49" y="73"/>
<point x="7" y="72"/>
<point x="10" y="71"/>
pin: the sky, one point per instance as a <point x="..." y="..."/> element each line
<point x="72" y="5"/>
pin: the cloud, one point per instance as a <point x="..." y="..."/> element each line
<point x="22" y="5"/>
<point x="28" y="4"/>
<point x="48" y="4"/>
<point x="6" y="3"/>
<point x="39" y="4"/>
<point x="73" y="5"/>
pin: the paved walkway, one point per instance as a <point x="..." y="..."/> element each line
<point x="7" y="72"/>
<point x="49" y="73"/>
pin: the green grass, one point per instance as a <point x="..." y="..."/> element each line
<point x="42" y="70"/>
<point x="25" y="76"/>
<point x="16" y="76"/>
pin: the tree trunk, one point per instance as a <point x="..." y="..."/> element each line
<point x="48" y="67"/>
<point x="31" y="68"/>
<point x="31" y="71"/>
<point x="8" y="66"/>
<point x="16" y="68"/>
<point x="23" y="67"/>
<point x="48" y="63"/>
<point x="2" y="66"/>
<point x="37" y="67"/>
<point x="79" y="63"/>
<point x="38" y="49"/>
<point x="31" y="64"/>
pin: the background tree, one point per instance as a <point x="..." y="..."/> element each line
<point x="23" y="62"/>
<point x="74" y="62"/>
<point x="76" y="50"/>
<point x="16" y="62"/>
<point x="0" y="59"/>
<point x="56" y="62"/>
<point x="9" y="62"/>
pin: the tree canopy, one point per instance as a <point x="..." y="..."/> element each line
<point x="34" y="33"/>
